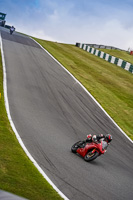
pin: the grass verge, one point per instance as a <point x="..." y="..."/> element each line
<point x="124" y="55"/>
<point x="17" y="174"/>
<point x="111" y="86"/>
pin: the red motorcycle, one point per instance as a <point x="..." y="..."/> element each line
<point x="90" y="150"/>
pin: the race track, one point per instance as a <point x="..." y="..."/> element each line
<point x="51" y="111"/>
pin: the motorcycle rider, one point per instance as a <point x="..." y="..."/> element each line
<point x="12" y="29"/>
<point x="97" y="138"/>
<point x="94" y="138"/>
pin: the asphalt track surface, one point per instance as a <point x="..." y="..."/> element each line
<point x="9" y="196"/>
<point x="51" y="111"/>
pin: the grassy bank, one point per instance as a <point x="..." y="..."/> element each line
<point x="17" y="174"/>
<point x="110" y="85"/>
<point x="124" y="55"/>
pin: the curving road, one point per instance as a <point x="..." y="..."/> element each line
<point x="51" y="111"/>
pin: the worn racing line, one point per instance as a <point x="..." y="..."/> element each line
<point x="51" y="111"/>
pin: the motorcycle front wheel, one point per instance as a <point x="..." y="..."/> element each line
<point x="91" y="156"/>
<point x="75" y="146"/>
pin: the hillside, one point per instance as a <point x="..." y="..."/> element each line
<point x="109" y="84"/>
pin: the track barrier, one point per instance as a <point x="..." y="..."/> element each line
<point x="114" y="60"/>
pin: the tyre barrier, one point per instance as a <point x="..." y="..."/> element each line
<point x="114" y="60"/>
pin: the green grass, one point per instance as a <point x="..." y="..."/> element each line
<point x="17" y="174"/>
<point x="124" y="55"/>
<point x="111" y="85"/>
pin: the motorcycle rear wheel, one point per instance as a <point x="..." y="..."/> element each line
<point x="91" y="156"/>
<point x="75" y="146"/>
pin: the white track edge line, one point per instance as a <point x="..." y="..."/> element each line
<point x="86" y="91"/>
<point x="15" y="130"/>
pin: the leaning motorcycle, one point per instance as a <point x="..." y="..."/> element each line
<point x="90" y="151"/>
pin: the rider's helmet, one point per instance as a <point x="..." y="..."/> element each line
<point x="94" y="138"/>
<point x="108" y="138"/>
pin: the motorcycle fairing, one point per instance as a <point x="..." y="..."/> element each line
<point x="94" y="146"/>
